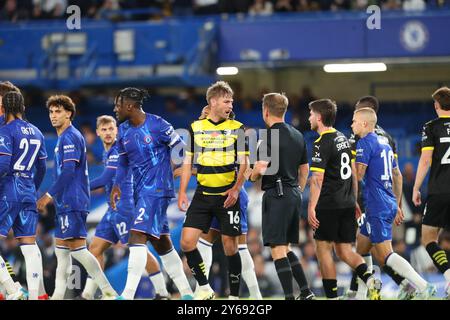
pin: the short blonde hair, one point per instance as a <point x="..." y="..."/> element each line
<point x="368" y="114"/>
<point x="105" y="120"/>
<point x="218" y="89"/>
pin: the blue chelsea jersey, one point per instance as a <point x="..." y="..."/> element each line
<point x="147" y="148"/>
<point x="2" y="120"/>
<point x="375" y="152"/>
<point x="72" y="147"/>
<point x="111" y="161"/>
<point x="24" y="145"/>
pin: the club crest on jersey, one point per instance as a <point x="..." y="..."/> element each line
<point x="2" y="142"/>
<point x="148" y="139"/>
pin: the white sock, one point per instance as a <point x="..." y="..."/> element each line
<point x="447" y="275"/>
<point x="90" y="288"/>
<point x="33" y="261"/>
<point x="136" y="266"/>
<point x="361" y="293"/>
<point x="205" y="249"/>
<point x="159" y="283"/>
<point x="248" y="272"/>
<point x="5" y="278"/>
<point x="403" y="268"/>
<point x="174" y="268"/>
<point x="63" y="271"/>
<point x="93" y="268"/>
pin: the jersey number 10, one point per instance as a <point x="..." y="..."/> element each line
<point x="388" y="159"/>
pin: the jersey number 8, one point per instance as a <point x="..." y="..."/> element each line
<point x="346" y="169"/>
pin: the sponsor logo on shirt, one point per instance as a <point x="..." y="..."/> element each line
<point x="148" y="139"/>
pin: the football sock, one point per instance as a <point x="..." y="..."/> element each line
<point x="284" y="272"/>
<point x="363" y="273"/>
<point x="136" y="266"/>
<point x="159" y="283"/>
<point x="90" y="289"/>
<point x="398" y="279"/>
<point x="361" y="294"/>
<point x="33" y="262"/>
<point x="330" y="288"/>
<point x="93" y="268"/>
<point x="205" y="249"/>
<point x="234" y="273"/>
<point x="402" y="267"/>
<point x="297" y="271"/>
<point x="439" y="258"/>
<point x="248" y="272"/>
<point x="197" y="266"/>
<point x="63" y="271"/>
<point x="174" y="267"/>
<point x="354" y="282"/>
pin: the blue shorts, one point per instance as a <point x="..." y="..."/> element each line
<point x="150" y="216"/>
<point x="21" y="217"/>
<point x="378" y="228"/>
<point x="71" y="225"/>
<point x="114" y="227"/>
<point x="243" y="201"/>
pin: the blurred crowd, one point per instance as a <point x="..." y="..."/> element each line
<point x="15" y="10"/>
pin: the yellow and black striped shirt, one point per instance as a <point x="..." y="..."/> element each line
<point x="215" y="147"/>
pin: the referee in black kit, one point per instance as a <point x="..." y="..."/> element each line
<point x="283" y="184"/>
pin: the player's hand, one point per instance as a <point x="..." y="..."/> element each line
<point x="400" y="217"/>
<point x="358" y="212"/>
<point x="232" y="196"/>
<point x="312" y="220"/>
<point x="417" y="198"/>
<point x="177" y="172"/>
<point x="260" y="167"/>
<point x="115" y="196"/>
<point x="43" y="202"/>
<point x="183" y="202"/>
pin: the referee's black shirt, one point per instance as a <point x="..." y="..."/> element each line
<point x="292" y="153"/>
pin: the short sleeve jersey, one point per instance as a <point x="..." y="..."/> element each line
<point x="23" y="144"/>
<point x="286" y="146"/>
<point x="215" y="147"/>
<point x="375" y="152"/>
<point x="332" y="155"/>
<point x="436" y="137"/>
<point x="148" y="148"/>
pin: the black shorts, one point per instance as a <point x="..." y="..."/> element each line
<point x="437" y="211"/>
<point x="336" y="225"/>
<point x="204" y="207"/>
<point x="280" y="217"/>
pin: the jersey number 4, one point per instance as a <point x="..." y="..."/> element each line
<point x="25" y="146"/>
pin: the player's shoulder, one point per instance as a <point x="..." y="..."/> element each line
<point x="71" y="134"/>
<point x="234" y="124"/>
<point x="435" y="122"/>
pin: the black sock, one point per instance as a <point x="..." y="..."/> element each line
<point x="297" y="271"/>
<point x="330" y="288"/>
<point x="10" y="270"/>
<point x="394" y="275"/>
<point x="285" y="275"/>
<point x="362" y="272"/>
<point x="438" y="256"/>
<point x="234" y="273"/>
<point x="197" y="266"/>
<point x="354" y="282"/>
